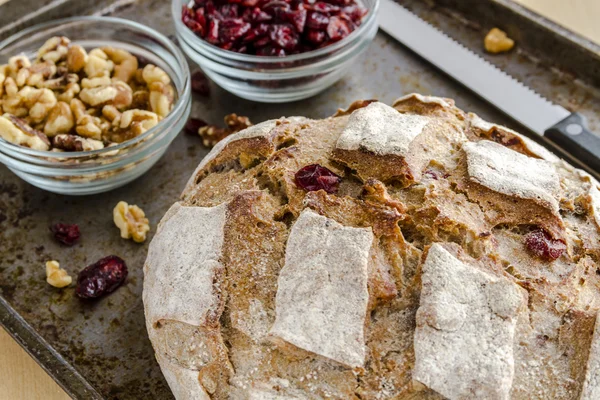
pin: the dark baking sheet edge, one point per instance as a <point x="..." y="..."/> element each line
<point x="67" y="377"/>
<point x="74" y="384"/>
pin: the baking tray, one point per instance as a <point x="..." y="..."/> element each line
<point x="100" y="350"/>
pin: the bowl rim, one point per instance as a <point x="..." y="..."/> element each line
<point x="188" y="35"/>
<point x="178" y="107"/>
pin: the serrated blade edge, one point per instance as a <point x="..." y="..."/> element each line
<point x="494" y="85"/>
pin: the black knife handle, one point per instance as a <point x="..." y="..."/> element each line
<point x="573" y="136"/>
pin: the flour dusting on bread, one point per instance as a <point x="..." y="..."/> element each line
<point x="322" y="297"/>
<point x="381" y="129"/>
<point x="184" y="265"/>
<point x="465" y="329"/>
<point x="506" y="171"/>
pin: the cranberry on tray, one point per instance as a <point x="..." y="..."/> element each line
<point x="67" y="234"/>
<point x="101" y="278"/>
<point x="272" y="27"/>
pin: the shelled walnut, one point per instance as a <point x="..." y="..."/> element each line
<point x="497" y="41"/>
<point x="132" y="221"/>
<point x="69" y="99"/>
<point x="212" y="134"/>
<point x="56" y="276"/>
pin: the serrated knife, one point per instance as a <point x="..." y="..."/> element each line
<point x="565" y="129"/>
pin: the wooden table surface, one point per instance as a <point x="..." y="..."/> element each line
<point x="22" y="379"/>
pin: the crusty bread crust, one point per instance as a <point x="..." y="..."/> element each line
<point x="424" y="286"/>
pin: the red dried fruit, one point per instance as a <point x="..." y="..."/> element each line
<point x="200" y="83"/>
<point x="262" y="42"/>
<point x="315" y="36"/>
<point x="232" y="30"/>
<point x="101" y="278"/>
<point x="229" y="11"/>
<point x="189" y="19"/>
<point x="272" y="27"/>
<point x="317" y="20"/>
<point x="284" y="36"/>
<point x="67" y="234"/>
<point x="250" y="3"/>
<point x="355" y="12"/>
<point x="256" y="15"/>
<point x="256" y="33"/>
<point x="322" y="7"/>
<point x="193" y="125"/>
<point x="542" y="245"/>
<point x="271" y="51"/>
<point x="338" y="28"/>
<point x="210" y="8"/>
<point x="297" y="18"/>
<point x="212" y="36"/>
<point x="276" y="8"/>
<point x="315" y="177"/>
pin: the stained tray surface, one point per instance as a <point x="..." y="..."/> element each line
<point x="100" y="349"/>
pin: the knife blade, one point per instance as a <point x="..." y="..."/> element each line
<point x="565" y="129"/>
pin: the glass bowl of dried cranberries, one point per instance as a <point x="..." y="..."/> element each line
<point x="275" y="51"/>
<point x="88" y="104"/>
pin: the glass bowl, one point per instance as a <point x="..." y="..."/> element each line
<point x="89" y="172"/>
<point x="277" y="79"/>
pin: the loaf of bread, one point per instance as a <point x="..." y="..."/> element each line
<point x="405" y="252"/>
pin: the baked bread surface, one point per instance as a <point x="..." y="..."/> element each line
<point x="458" y="259"/>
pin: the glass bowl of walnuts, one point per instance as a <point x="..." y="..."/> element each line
<point x="275" y="51"/>
<point x="88" y="104"/>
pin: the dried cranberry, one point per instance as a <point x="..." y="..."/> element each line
<point x="341" y="2"/>
<point x="100" y="278"/>
<point x="284" y="36"/>
<point x="271" y="51"/>
<point x="212" y="36"/>
<point x="233" y="29"/>
<point x="241" y="49"/>
<point x="227" y="46"/>
<point x="355" y="12"/>
<point x="322" y="7"/>
<point x="189" y="19"/>
<point x="256" y="33"/>
<point x="272" y="27"/>
<point x="229" y="11"/>
<point x="250" y="3"/>
<point x="541" y="244"/>
<point x="315" y="177"/>
<point x="200" y="17"/>
<point x="315" y="36"/>
<point x="317" y="20"/>
<point x="262" y="42"/>
<point x="210" y="8"/>
<point x="256" y="15"/>
<point x="338" y="28"/>
<point x="200" y="83"/>
<point x="276" y="8"/>
<point x="297" y="18"/>
<point x="193" y="125"/>
<point x="67" y="234"/>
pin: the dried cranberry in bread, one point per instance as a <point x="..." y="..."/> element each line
<point x="454" y="259"/>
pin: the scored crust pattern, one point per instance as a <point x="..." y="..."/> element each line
<point x="417" y="279"/>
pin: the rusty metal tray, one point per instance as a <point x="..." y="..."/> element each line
<point x="100" y="350"/>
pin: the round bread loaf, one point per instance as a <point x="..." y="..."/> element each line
<point x="405" y="252"/>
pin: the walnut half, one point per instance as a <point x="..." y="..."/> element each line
<point x="17" y="131"/>
<point x="132" y="221"/>
<point x="57" y="276"/>
<point x="497" y="41"/>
